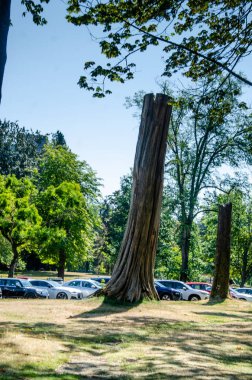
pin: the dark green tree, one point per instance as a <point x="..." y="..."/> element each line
<point x="19" y="149"/>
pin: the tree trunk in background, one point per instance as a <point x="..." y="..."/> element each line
<point x="14" y="261"/>
<point x="132" y="277"/>
<point x="220" y="288"/>
<point x="61" y="264"/>
<point x="185" y="246"/>
<point x="4" y="29"/>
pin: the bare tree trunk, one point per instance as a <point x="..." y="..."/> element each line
<point x="61" y="264"/>
<point x="4" y="29"/>
<point x="132" y="277"/>
<point x="220" y="288"/>
<point x="14" y="261"/>
<point x="185" y="247"/>
<point x="245" y="267"/>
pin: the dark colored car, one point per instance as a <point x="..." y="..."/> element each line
<point x="18" y="288"/>
<point x="167" y="294"/>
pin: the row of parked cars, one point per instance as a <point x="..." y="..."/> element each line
<point x="83" y="288"/>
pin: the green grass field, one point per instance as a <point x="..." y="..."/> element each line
<point x="91" y="339"/>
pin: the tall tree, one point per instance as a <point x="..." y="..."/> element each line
<point x="19" y="218"/>
<point x="114" y="214"/>
<point x="203" y="38"/>
<point x="19" y="149"/>
<point x="220" y="288"/>
<point x="67" y="231"/>
<point x="69" y="191"/>
<point x="209" y="127"/>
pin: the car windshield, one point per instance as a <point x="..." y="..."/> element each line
<point x="96" y="283"/>
<point x="159" y="284"/>
<point x="26" y="283"/>
<point x="54" y="284"/>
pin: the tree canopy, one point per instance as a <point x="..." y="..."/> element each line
<point x="200" y="38"/>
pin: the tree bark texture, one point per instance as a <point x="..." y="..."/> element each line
<point x="4" y="29"/>
<point x="220" y="288"/>
<point x="132" y="277"/>
<point x="14" y="261"/>
<point x="61" y="264"/>
<point x="185" y="247"/>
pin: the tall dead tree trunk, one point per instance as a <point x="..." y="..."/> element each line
<point x="220" y="288"/>
<point x="4" y="29"/>
<point x="132" y="277"/>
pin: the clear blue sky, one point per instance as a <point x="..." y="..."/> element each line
<point x="40" y="91"/>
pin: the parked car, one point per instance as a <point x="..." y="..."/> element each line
<point x="247" y="291"/>
<point x="167" y="294"/>
<point x="19" y="288"/>
<point x="200" y="286"/>
<point x="188" y="293"/>
<point x="242" y="296"/>
<point x="56" y="290"/>
<point x="86" y="286"/>
<point x="103" y="280"/>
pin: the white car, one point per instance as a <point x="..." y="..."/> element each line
<point x="55" y="290"/>
<point x="87" y="287"/>
<point x="188" y="293"/>
<point x="242" y="294"/>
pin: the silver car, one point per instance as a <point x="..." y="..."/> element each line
<point x="87" y="287"/>
<point x="56" y="290"/>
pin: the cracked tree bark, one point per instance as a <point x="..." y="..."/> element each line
<point x="132" y="277"/>
<point x="220" y="288"/>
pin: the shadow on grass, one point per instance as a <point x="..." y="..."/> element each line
<point x="156" y="348"/>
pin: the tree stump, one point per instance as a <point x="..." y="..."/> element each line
<point x="220" y="288"/>
<point x="132" y="277"/>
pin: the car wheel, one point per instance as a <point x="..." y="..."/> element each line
<point x="194" y="297"/>
<point x="30" y="295"/>
<point x="62" y="296"/>
<point x="166" y="297"/>
<point x="242" y="299"/>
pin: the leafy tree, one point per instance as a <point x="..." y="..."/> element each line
<point x="114" y="214"/>
<point x="59" y="164"/>
<point x="19" y="218"/>
<point x="19" y="149"/>
<point x="205" y="132"/>
<point x="68" y="203"/>
<point x="67" y="231"/>
<point x="34" y="8"/>
<point x="203" y="38"/>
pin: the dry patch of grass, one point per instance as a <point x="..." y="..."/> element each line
<point x="91" y="339"/>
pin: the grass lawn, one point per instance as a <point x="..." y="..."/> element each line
<point x="91" y="339"/>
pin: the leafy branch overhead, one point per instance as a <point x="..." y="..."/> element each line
<point x="200" y="38"/>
